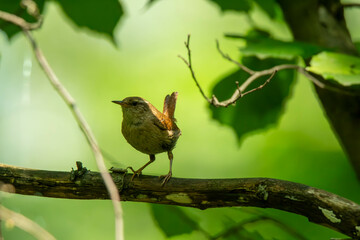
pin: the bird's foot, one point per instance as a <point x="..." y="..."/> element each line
<point x="166" y="178"/>
<point x="135" y="173"/>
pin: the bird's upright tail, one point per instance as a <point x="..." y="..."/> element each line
<point x="169" y="105"/>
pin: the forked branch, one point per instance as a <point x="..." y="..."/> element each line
<point x="242" y="90"/>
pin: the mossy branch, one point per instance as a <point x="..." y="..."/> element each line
<point x="317" y="205"/>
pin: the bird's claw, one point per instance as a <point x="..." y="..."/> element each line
<point x="166" y="178"/>
<point x="135" y="173"/>
<point x="130" y="169"/>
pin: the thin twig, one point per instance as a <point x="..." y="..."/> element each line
<point x="262" y="85"/>
<point x="25" y="224"/>
<point x="31" y="8"/>
<point x="302" y="70"/>
<point x="18" y="21"/>
<point x="109" y="183"/>
<point x="254" y="75"/>
<point x="226" y="56"/>
<point x="240" y="89"/>
<point x="188" y="63"/>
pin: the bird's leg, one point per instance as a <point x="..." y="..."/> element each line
<point x="168" y="176"/>
<point x="138" y="172"/>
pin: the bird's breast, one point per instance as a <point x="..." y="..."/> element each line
<point x="147" y="137"/>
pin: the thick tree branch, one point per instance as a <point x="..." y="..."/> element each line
<point x="325" y="25"/>
<point x="317" y="205"/>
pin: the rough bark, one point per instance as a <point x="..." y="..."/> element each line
<point x="317" y="205"/>
<point x="322" y="22"/>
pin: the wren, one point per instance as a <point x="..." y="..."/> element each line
<point x="150" y="131"/>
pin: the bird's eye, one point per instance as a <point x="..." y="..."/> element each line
<point x="134" y="103"/>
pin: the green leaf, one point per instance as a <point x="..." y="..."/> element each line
<point x="233" y="5"/>
<point x="269" y="6"/>
<point x="259" y="109"/>
<point x="13" y="6"/>
<point x="265" y="47"/>
<point x="342" y="68"/>
<point x="99" y="16"/>
<point x="255" y="235"/>
<point x="172" y="220"/>
<point x="233" y="231"/>
<point x="357" y="45"/>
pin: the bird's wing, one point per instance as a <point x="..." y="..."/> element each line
<point x="161" y="124"/>
<point x="169" y="105"/>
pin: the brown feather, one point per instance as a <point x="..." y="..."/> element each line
<point x="169" y="105"/>
<point x="148" y="130"/>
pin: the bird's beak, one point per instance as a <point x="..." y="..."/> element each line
<point x="122" y="103"/>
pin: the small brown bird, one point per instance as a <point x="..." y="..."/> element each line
<point x="148" y="130"/>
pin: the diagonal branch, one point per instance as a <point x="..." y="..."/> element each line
<point x="25" y="223"/>
<point x="319" y="206"/>
<point x="84" y="126"/>
<point x="18" y="21"/>
<point x="69" y="100"/>
<point x="226" y="56"/>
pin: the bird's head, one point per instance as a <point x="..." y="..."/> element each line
<point x="134" y="107"/>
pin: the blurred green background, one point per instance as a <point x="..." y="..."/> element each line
<point x="38" y="131"/>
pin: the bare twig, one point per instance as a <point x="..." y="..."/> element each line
<point x="18" y="21"/>
<point x="25" y="223"/>
<point x="240" y="90"/>
<point x="254" y="75"/>
<point x="84" y="126"/>
<point x="226" y="56"/>
<point x="188" y="63"/>
<point x="259" y="87"/>
<point x="32" y="10"/>
<point x="110" y="185"/>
